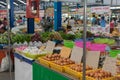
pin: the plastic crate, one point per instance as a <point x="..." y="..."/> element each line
<point x="44" y="62"/>
<point x="72" y="72"/>
<point x="117" y="77"/>
<point x="91" y="78"/>
<point x="57" y="67"/>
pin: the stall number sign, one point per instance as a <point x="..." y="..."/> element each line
<point x="100" y="9"/>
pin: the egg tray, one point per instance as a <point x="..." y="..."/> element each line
<point x="44" y="62"/>
<point x="57" y="67"/>
<point x="91" y="78"/>
<point x="74" y="73"/>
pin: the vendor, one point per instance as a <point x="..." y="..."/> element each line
<point x="69" y="30"/>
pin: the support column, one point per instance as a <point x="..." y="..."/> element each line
<point x="57" y="15"/>
<point x="30" y="25"/>
<point x="11" y="14"/>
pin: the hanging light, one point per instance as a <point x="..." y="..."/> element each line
<point x="22" y="2"/>
<point x="3" y="3"/>
<point x="15" y="3"/>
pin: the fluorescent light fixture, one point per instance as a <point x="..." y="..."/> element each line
<point x="2" y="6"/>
<point x="22" y="2"/>
<point x="114" y="7"/>
<point x="3" y="3"/>
<point x="15" y="3"/>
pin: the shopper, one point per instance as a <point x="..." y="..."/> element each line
<point x="94" y="20"/>
<point x="102" y="22"/>
<point x="112" y="25"/>
<point x="23" y="19"/>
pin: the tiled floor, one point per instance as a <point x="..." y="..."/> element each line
<point x="6" y="76"/>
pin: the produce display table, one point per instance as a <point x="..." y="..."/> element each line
<point x="41" y="72"/>
<point x="23" y="67"/>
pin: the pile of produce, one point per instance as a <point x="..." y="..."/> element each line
<point x="20" y="38"/>
<point x="4" y="38"/>
<point x="52" y="57"/>
<point x="45" y="36"/>
<point x="36" y="37"/>
<point x="20" y="48"/>
<point x="79" y="67"/>
<point x="77" y="35"/>
<point x="89" y="34"/>
<point x="117" y="77"/>
<point x="115" y="32"/>
<point x="64" y="61"/>
<point x="104" y="41"/>
<point x="99" y="74"/>
<point x="33" y="52"/>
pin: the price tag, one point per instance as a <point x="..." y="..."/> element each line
<point x="110" y="65"/>
<point x="77" y="54"/>
<point x="65" y="52"/>
<point x="50" y="46"/>
<point x="92" y="58"/>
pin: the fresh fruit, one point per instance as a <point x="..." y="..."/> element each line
<point x="64" y="61"/>
<point x="99" y="74"/>
<point x="52" y="57"/>
<point x="79" y="67"/>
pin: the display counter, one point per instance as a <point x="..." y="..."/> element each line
<point x="41" y="72"/>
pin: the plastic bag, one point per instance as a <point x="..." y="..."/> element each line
<point x="5" y="64"/>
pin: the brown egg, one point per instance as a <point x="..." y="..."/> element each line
<point x="61" y="64"/>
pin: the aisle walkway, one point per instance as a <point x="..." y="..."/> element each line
<point x="5" y="76"/>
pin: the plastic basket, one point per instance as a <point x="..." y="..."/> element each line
<point x="68" y="43"/>
<point x="114" y="53"/>
<point x="33" y="56"/>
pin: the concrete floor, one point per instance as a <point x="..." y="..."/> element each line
<point x="6" y="76"/>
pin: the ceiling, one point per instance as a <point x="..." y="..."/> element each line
<point x="21" y="4"/>
<point x="16" y="3"/>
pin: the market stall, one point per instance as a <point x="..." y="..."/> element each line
<point x="73" y="61"/>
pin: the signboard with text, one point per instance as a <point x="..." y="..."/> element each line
<point x="100" y="9"/>
<point x="32" y="9"/>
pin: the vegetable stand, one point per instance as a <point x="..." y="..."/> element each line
<point x="41" y="72"/>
